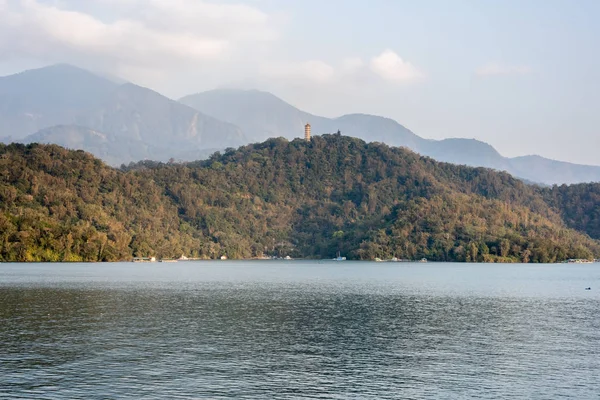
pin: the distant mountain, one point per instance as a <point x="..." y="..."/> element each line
<point x="121" y="123"/>
<point x="118" y="123"/>
<point x="136" y="114"/>
<point x="557" y="172"/>
<point x="378" y="129"/>
<point x="38" y="99"/>
<point x="263" y="115"/>
<point x="98" y="143"/>
<point x="469" y="152"/>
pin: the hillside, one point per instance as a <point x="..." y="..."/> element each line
<point x="263" y="115"/>
<point x="579" y="206"/>
<point x="287" y="198"/>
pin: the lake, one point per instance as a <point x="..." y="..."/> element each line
<point x="298" y="329"/>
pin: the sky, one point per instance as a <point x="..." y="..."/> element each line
<point x="522" y="75"/>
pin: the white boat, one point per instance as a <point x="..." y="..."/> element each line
<point x="144" y="259"/>
<point x="339" y="258"/>
<point x="579" y="261"/>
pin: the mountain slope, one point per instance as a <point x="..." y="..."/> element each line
<point x="37" y="99"/>
<point x="305" y="199"/>
<point x="579" y="206"/>
<point x="557" y="172"/>
<point x="263" y="115"/>
<point x="101" y="145"/>
<point x="136" y="114"/>
<point x="119" y="123"/>
<point x="469" y="152"/>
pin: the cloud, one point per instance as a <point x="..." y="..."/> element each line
<point x="492" y="69"/>
<point x="391" y="67"/>
<point x="180" y="46"/>
<point x="132" y="33"/>
<point x="352" y="70"/>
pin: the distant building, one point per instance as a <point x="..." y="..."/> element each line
<point x="307" y="132"/>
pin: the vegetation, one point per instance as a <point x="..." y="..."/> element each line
<point x="579" y="206"/>
<point x="301" y="199"/>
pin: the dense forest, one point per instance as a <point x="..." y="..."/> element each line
<point x="579" y="206"/>
<point x="303" y="199"/>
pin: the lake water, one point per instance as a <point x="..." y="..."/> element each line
<point x="295" y="329"/>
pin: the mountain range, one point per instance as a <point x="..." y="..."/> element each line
<point x="119" y="123"/>
<point x="122" y="122"/>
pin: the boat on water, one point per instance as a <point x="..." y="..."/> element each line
<point x="578" y="261"/>
<point x="143" y="259"/>
<point x="401" y="260"/>
<point x="168" y="260"/>
<point x="339" y="257"/>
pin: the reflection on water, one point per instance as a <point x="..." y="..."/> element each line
<point x="215" y="330"/>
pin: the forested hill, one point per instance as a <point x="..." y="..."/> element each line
<point x="303" y="199"/>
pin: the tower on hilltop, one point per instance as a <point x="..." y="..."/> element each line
<point x="307" y="132"/>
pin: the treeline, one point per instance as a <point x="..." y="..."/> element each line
<point x="303" y="199"/>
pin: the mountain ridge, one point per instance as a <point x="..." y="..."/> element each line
<point x="369" y="127"/>
<point x="64" y="104"/>
<point x="46" y="104"/>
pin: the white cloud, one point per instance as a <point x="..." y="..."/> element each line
<point x="500" y="69"/>
<point x="392" y="67"/>
<point x="350" y="71"/>
<point x="180" y="46"/>
<point x="136" y="34"/>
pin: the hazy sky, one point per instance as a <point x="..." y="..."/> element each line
<point x="522" y="75"/>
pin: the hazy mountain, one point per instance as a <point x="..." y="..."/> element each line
<point x="469" y="152"/>
<point x="100" y="144"/>
<point x="263" y="115"/>
<point x="557" y="172"/>
<point x="118" y="123"/>
<point x="124" y="122"/>
<point x="378" y="129"/>
<point x="135" y="113"/>
<point x="37" y="99"/>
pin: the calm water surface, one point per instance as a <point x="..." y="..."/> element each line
<point x="273" y="329"/>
